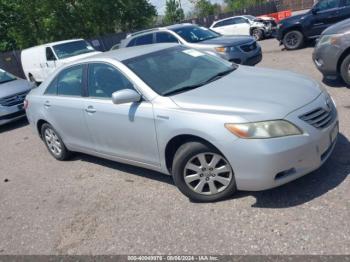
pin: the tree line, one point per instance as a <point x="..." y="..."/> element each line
<point x="25" y="23"/>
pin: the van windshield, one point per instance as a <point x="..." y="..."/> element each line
<point x="72" y="49"/>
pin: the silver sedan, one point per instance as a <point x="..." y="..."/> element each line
<point x="215" y="127"/>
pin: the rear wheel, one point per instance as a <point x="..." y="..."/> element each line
<point x="293" y="40"/>
<point x="202" y="173"/>
<point x="345" y="70"/>
<point x="54" y="143"/>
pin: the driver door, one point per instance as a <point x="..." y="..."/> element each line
<point x="324" y="14"/>
<point x="125" y="131"/>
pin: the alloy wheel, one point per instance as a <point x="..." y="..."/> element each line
<point x="207" y="173"/>
<point x="53" y="142"/>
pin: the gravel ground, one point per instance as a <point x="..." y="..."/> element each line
<point x="94" y="206"/>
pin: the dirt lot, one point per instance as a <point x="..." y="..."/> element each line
<point x="93" y="206"/>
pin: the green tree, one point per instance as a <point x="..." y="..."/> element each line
<point x="204" y="8"/>
<point x="173" y="12"/>
<point x="24" y="23"/>
<point x="240" y="4"/>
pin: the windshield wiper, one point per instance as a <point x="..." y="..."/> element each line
<point x="190" y="87"/>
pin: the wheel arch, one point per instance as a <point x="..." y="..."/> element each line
<point x="39" y="125"/>
<point x="174" y="144"/>
<point x="292" y="28"/>
<point x="342" y="57"/>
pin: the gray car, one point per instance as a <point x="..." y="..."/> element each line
<point x="238" y="49"/>
<point x="332" y="52"/>
<point x="216" y="127"/>
<point x="12" y="94"/>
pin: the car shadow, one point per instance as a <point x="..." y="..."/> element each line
<point x="134" y="170"/>
<point x="336" y="83"/>
<point x="310" y="186"/>
<point x="295" y="193"/>
<point x="14" y="125"/>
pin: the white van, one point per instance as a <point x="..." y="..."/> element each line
<point x="39" y="62"/>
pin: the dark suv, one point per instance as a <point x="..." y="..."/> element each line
<point x="293" y="31"/>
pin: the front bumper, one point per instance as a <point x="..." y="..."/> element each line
<point x="260" y="164"/>
<point x="13" y="113"/>
<point x="326" y="59"/>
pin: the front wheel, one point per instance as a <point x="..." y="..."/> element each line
<point x="345" y="70"/>
<point x="202" y="173"/>
<point x="258" y="34"/>
<point x="293" y="40"/>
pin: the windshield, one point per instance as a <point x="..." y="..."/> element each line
<point x="177" y="69"/>
<point x="195" y="34"/>
<point x="72" y="49"/>
<point x="6" y="77"/>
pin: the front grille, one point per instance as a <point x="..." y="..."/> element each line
<point x="249" y="47"/>
<point x="320" y="117"/>
<point x="13" y="100"/>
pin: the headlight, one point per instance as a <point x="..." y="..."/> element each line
<point x="267" y="129"/>
<point x="223" y="49"/>
<point x="329" y="39"/>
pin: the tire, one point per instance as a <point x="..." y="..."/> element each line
<point x="54" y="143"/>
<point x="204" y="182"/>
<point x="258" y="34"/>
<point x="345" y="70"/>
<point x="293" y="40"/>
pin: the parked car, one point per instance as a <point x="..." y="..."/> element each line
<point x="12" y="93"/>
<point x="183" y="112"/>
<point x="40" y="61"/>
<point x="241" y="25"/>
<point x="294" y="31"/>
<point x="332" y="52"/>
<point x="269" y="22"/>
<point x="238" y="49"/>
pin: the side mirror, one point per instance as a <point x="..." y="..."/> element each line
<point x="125" y="96"/>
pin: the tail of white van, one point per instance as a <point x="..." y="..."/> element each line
<point x="40" y="61"/>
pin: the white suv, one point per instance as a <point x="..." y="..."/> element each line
<point x="239" y="25"/>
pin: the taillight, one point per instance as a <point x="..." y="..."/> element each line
<point x="25" y="104"/>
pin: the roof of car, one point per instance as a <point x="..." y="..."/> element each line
<point x="131" y="52"/>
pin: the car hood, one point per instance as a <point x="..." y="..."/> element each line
<point x="339" y="28"/>
<point x="294" y="18"/>
<point x="227" y="40"/>
<point x="14" y="87"/>
<point x="255" y="94"/>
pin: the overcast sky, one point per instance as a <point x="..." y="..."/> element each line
<point x="186" y="5"/>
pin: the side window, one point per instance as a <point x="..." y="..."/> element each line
<point x="104" y="80"/>
<point x="327" y="4"/>
<point x="49" y="54"/>
<point x="164" y="37"/>
<point x="144" y="39"/>
<point x="240" y="20"/>
<point x="132" y="42"/>
<point x="52" y="88"/>
<point x="70" y="81"/>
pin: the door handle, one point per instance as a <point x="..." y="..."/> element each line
<point x="90" y="109"/>
<point x="47" y="104"/>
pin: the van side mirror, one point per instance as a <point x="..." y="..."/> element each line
<point x="125" y="96"/>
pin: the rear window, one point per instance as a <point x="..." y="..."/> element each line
<point x="142" y="40"/>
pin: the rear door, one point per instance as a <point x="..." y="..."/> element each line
<point x="327" y="13"/>
<point x="226" y="27"/>
<point x="64" y="107"/>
